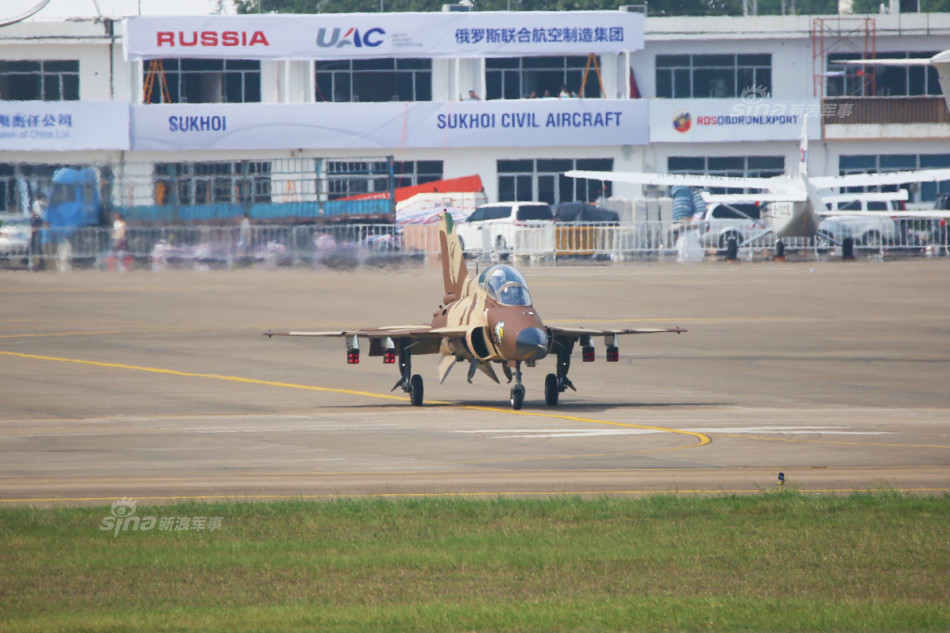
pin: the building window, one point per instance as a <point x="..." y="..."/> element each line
<point x="409" y="173"/>
<point x="45" y="80"/>
<point x="871" y="163"/>
<point x="849" y="80"/>
<point x="731" y="166"/>
<point x="528" y="77"/>
<point x="354" y="177"/>
<point x="185" y="184"/>
<point x="543" y="180"/>
<point x="374" y="80"/>
<point x="22" y="183"/>
<point x="202" y="81"/>
<point x="713" y="76"/>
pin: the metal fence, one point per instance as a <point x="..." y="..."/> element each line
<point x="354" y="245"/>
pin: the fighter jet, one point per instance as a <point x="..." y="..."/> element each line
<point x="484" y="322"/>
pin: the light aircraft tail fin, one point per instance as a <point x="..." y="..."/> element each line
<point x="454" y="270"/>
<point x="803" y="149"/>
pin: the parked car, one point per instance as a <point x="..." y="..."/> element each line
<point x="722" y="222"/>
<point x="503" y="228"/>
<point x="871" y="230"/>
<point x="14" y="236"/>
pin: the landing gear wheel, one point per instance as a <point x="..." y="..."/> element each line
<point x="517" y="397"/>
<point x="550" y="390"/>
<point x="415" y="390"/>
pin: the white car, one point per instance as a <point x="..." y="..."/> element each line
<point x="504" y="228"/>
<point x="872" y="230"/>
<point x="724" y="222"/>
<point x="14" y="236"/>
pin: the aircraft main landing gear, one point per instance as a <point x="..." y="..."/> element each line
<point x="555" y="384"/>
<point x="551" y="390"/>
<point x="411" y="383"/>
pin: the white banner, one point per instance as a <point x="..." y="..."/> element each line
<point x="517" y="123"/>
<point x="726" y="120"/>
<point x="367" y="35"/>
<point x="63" y="125"/>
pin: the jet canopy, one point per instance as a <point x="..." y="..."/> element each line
<point x="504" y="284"/>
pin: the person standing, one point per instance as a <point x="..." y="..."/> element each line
<point x="244" y="236"/>
<point x="37" y="220"/>
<point x="120" y="245"/>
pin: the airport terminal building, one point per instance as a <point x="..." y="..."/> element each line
<point x="274" y="108"/>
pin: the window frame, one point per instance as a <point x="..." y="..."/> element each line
<point x="48" y="73"/>
<point x="532" y="180"/>
<point x="341" y="80"/>
<point x="517" y="77"/>
<point x="678" y="76"/>
<point x="189" y="80"/>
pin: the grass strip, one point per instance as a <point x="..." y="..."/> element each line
<point x="771" y="562"/>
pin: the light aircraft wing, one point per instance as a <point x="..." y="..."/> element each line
<point x="921" y="213"/>
<point x="881" y="178"/>
<point x="913" y="61"/>
<point x="687" y="180"/>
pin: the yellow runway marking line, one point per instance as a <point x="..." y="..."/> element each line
<point x="187" y="374"/>
<point x="701" y="438"/>
<point x="437" y="495"/>
<point x="77" y="333"/>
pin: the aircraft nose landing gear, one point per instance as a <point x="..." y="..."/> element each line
<point x="517" y="391"/>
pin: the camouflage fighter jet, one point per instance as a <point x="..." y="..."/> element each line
<point x="484" y="321"/>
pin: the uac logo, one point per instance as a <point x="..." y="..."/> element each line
<point x="123" y="518"/>
<point x="372" y="38"/>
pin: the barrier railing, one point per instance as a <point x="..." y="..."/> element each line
<point x="349" y="246"/>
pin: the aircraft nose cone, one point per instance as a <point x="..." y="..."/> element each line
<point x="532" y="343"/>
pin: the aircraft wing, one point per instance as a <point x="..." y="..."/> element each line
<point x="687" y="180"/>
<point x="586" y="331"/>
<point x="921" y="213"/>
<point x="881" y="178"/>
<point x="912" y="61"/>
<point x="394" y="331"/>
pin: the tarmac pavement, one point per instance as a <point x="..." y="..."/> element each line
<point x="159" y="386"/>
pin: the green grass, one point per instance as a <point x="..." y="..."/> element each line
<point x="773" y="562"/>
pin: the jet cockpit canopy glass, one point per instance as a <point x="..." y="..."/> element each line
<point x="505" y="285"/>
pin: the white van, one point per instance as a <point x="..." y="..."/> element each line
<point x="505" y="228"/>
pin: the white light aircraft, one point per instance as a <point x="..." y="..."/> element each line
<point x="793" y="202"/>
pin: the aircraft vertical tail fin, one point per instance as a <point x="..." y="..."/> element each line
<point x="803" y="149"/>
<point x="454" y="270"/>
<point x="814" y="199"/>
